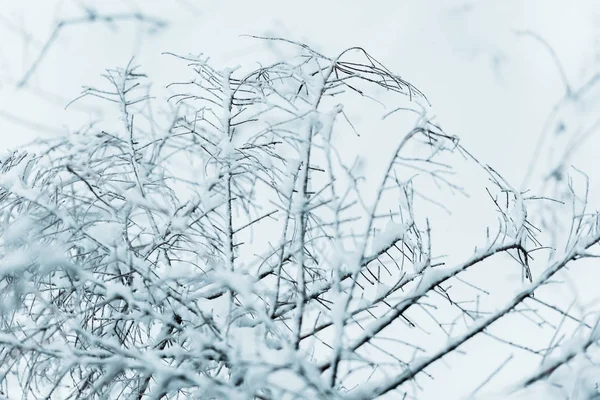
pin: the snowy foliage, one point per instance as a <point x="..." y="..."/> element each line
<point x="226" y="252"/>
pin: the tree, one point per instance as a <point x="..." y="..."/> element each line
<point x="227" y="249"/>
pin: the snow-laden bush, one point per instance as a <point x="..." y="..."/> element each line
<point x="233" y="248"/>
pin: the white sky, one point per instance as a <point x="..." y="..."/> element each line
<point x="487" y="84"/>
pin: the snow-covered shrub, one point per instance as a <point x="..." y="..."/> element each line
<point x="228" y="249"/>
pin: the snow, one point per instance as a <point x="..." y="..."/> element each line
<point x="227" y="149"/>
<point x="117" y="291"/>
<point x="18" y="231"/>
<point x="107" y="232"/>
<point x="16" y="262"/>
<point x="392" y="233"/>
<point x="375" y="291"/>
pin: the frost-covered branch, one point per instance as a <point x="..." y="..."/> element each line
<point x="234" y="248"/>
